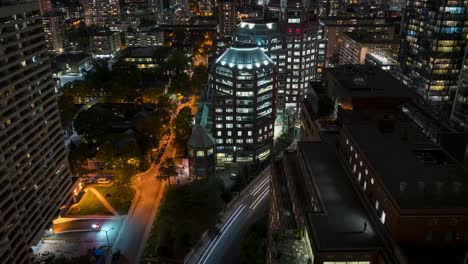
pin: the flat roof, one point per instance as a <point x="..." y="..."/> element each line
<point x="72" y="57"/>
<point x="145" y="52"/>
<point x="340" y="226"/>
<point x="365" y="38"/>
<point x="415" y="171"/>
<point x="367" y="81"/>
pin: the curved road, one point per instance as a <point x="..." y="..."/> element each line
<point x="132" y="236"/>
<point x="243" y="212"/>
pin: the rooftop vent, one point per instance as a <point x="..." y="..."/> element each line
<point x="403" y="186"/>
<point x="420" y="186"/>
<point x="456" y="185"/>
<point x="360" y="81"/>
<point x="438" y="187"/>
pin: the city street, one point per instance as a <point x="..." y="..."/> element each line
<point x="134" y="233"/>
<point x="248" y="207"/>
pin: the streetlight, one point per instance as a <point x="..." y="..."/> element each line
<point x="108" y="243"/>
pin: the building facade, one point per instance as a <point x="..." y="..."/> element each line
<point x="46" y="6"/>
<point x="201" y="149"/>
<point x="301" y="40"/>
<point x="432" y="48"/>
<point x="227" y="18"/>
<point x="335" y="27"/>
<point x="356" y="46"/>
<point x="55" y="32"/>
<point x="34" y="174"/>
<point x="460" y="107"/>
<point x="101" y="13"/>
<point x="144" y="36"/>
<point x="104" y="44"/>
<point x="243" y="85"/>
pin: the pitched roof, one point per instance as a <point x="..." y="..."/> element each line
<point x="199" y="139"/>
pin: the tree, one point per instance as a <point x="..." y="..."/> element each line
<point x="167" y="169"/>
<point x="180" y="84"/>
<point x="151" y="128"/>
<point x="77" y="159"/>
<point x="151" y="95"/>
<point x="66" y="107"/>
<point x="93" y="122"/>
<point x="164" y="109"/>
<point x="199" y="78"/>
<point x="179" y="61"/>
<point x="183" y="126"/>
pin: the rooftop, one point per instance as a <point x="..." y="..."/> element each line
<point x="416" y="172"/>
<point x="367" y="38"/>
<point x="256" y="32"/>
<point x="340" y="223"/>
<point x="291" y="4"/>
<point x="366" y="81"/>
<point x="199" y="139"/>
<point x="244" y="57"/>
<point x="72" y="57"/>
<point x="145" y="52"/>
<point x="381" y="58"/>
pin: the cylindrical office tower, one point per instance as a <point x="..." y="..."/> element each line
<point x="243" y="85"/>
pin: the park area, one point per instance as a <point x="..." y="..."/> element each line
<point x="103" y="200"/>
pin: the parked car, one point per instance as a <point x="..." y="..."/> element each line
<point x="86" y="180"/>
<point x="103" y="180"/>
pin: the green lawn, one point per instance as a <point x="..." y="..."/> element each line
<point x="89" y="205"/>
<point x="119" y="198"/>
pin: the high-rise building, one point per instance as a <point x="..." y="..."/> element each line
<point x="301" y="39"/>
<point x="104" y="44"/>
<point x="460" y="106"/>
<point x="46" y="6"/>
<point x="402" y="195"/>
<point x="35" y="178"/>
<point x="227" y="18"/>
<point x="243" y="85"/>
<point x="355" y="47"/>
<point x="267" y="36"/>
<point x="101" y="12"/>
<point x="431" y="53"/>
<point x="55" y="31"/>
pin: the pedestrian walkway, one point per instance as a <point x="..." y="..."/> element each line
<point x="102" y="200"/>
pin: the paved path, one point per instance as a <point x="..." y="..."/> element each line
<point x="102" y="200"/>
<point x="138" y="227"/>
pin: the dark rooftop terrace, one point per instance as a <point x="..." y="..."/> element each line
<point x="366" y="81"/>
<point x="415" y="171"/>
<point x="340" y="226"/>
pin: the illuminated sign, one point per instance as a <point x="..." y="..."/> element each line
<point x="294" y="20"/>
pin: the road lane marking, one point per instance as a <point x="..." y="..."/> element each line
<point x="261" y="192"/>
<point x="224" y="226"/>
<point x="254" y="192"/>
<point x="255" y="204"/>
<point x="219" y="239"/>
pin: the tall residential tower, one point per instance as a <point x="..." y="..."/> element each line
<point x="35" y="178"/>
<point x="431" y="53"/>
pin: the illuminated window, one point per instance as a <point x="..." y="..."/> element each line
<point x="382" y="217"/>
<point x="200" y="153"/>
<point x="376" y="205"/>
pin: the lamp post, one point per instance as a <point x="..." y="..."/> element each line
<point x="108" y="243"/>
